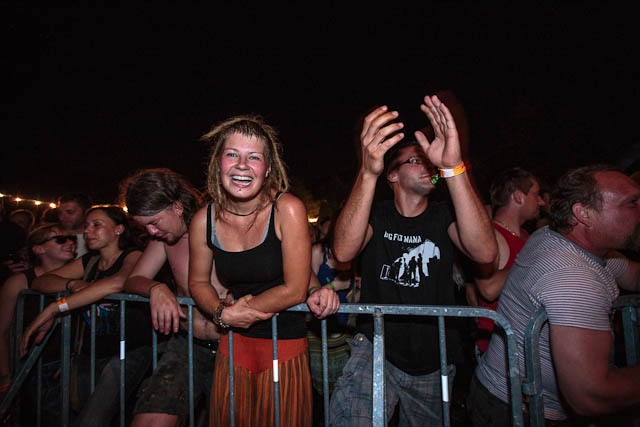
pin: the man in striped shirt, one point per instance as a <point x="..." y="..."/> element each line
<point x="572" y="270"/>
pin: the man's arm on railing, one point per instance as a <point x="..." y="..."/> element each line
<point x="165" y="310"/>
<point x="588" y="384"/>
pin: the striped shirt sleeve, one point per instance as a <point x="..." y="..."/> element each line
<point x="573" y="298"/>
<point x="617" y="266"/>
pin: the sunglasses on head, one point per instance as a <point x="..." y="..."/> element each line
<point x="61" y="239"/>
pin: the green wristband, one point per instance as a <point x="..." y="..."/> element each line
<point x="333" y="288"/>
<point x="313" y="288"/>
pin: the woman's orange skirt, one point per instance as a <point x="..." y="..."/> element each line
<point x="253" y="383"/>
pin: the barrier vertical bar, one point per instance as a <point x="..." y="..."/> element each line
<point x="19" y="331"/>
<point x="232" y="393"/>
<point x="66" y="368"/>
<point x="191" y="405"/>
<point x="39" y="375"/>
<point x="444" y="373"/>
<point x="532" y="385"/>
<point x="514" y="375"/>
<point x="379" y="387"/>
<point x="630" y="324"/>
<point x="122" y="360"/>
<point x="276" y="375"/>
<point x="154" y="348"/>
<point x="325" y="371"/>
<point x="92" y="370"/>
<point x="21" y="375"/>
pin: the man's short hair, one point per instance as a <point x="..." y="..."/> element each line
<point x="150" y="191"/>
<point x="576" y="186"/>
<point x="505" y="183"/>
<point x="81" y="199"/>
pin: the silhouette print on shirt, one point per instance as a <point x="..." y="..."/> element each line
<point x="409" y="268"/>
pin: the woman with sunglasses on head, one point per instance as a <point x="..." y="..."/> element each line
<point x="49" y="248"/>
<point x="99" y="273"/>
<point x="258" y="237"/>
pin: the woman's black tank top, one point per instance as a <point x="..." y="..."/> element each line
<point x="252" y="272"/>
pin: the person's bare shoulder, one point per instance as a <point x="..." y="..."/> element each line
<point x="289" y="203"/>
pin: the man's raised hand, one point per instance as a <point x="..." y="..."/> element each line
<point x="376" y="140"/>
<point x="444" y="151"/>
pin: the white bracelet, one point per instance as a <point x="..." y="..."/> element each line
<point x="62" y="305"/>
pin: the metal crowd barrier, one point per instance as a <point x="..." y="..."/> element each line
<point x="629" y="305"/>
<point x="377" y="311"/>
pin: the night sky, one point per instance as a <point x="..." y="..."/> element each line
<point x="91" y="95"/>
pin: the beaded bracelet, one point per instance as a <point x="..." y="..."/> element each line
<point x="217" y="316"/>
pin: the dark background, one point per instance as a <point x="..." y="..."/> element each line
<point x="92" y="94"/>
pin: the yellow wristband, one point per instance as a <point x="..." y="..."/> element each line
<point x="448" y="173"/>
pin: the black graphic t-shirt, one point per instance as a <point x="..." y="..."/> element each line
<point x="408" y="261"/>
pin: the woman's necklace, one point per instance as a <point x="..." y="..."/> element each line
<point x="241" y="214"/>
<point x="505" y="227"/>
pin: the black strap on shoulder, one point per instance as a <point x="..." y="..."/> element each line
<point x="90" y="271"/>
<point x="209" y="240"/>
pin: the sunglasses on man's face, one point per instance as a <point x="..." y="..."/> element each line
<point x="61" y="240"/>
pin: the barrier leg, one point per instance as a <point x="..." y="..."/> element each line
<point x="532" y="385"/>
<point x="276" y="375"/>
<point x="379" y="387"/>
<point x="66" y="369"/>
<point x="39" y="375"/>
<point x="631" y="341"/>
<point x="92" y="368"/>
<point x="191" y="403"/>
<point x="325" y="371"/>
<point x="232" y="416"/>
<point x="122" y="362"/>
<point x="444" y="379"/>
